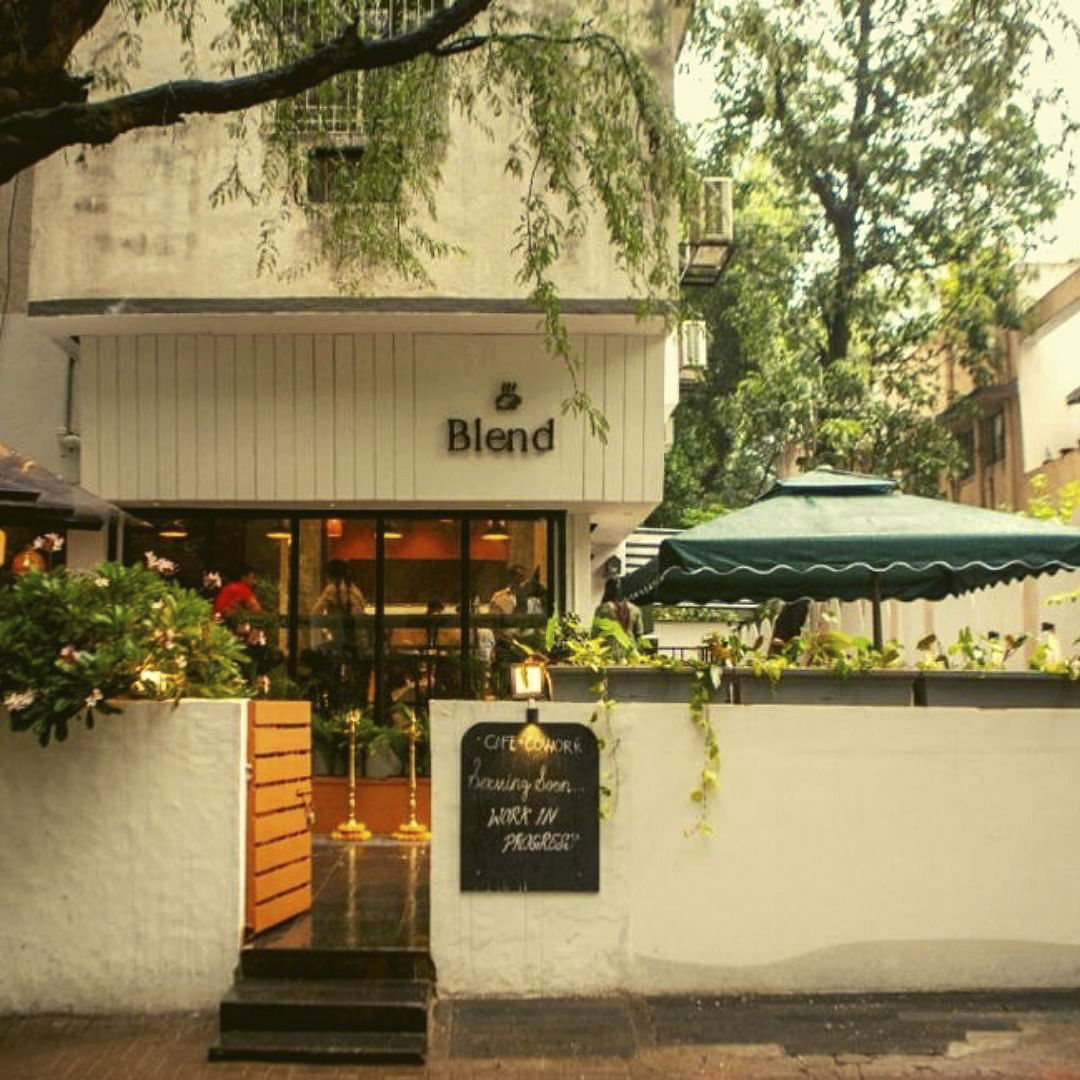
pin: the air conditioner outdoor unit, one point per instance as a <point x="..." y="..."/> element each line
<point x="693" y="345"/>
<point x="711" y="234"/>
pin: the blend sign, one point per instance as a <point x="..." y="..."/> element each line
<point x="464" y="435"/>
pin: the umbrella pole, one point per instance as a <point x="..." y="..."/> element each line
<point x="875" y="599"/>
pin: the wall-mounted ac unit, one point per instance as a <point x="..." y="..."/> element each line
<point x="693" y="345"/>
<point x="710" y="235"/>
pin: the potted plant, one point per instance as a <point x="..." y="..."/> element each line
<point x="970" y="673"/>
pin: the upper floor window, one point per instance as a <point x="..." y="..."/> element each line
<point x="966" y="441"/>
<point x="334" y="111"/>
<point x="993" y="437"/>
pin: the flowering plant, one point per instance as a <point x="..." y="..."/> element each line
<point x="71" y="643"/>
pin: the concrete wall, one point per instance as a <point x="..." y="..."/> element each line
<point x="122" y="863"/>
<point x="135" y="218"/>
<point x="854" y="849"/>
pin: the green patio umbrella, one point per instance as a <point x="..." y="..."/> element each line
<point x="834" y="535"/>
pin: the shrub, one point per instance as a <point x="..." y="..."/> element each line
<point x="72" y="643"/>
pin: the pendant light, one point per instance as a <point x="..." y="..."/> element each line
<point x="496" y="530"/>
<point x="279" y="531"/>
<point x="335" y="528"/>
<point x="174" y="530"/>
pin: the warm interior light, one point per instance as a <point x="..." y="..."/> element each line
<point x="527" y="678"/>
<point x="280" y="531"/>
<point x="496" y="530"/>
<point x="173" y="531"/>
<point x="391" y="532"/>
<point x="3" y="546"/>
<point x="335" y="528"/>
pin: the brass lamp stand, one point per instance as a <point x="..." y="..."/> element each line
<point x="412" y="831"/>
<point x="351" y="829"/>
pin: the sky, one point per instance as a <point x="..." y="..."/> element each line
<point x="693" y="104"/>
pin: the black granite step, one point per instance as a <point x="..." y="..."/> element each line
<point x="342" y="1005"/>
<point x="388" y="962"/>
<point x="322" y="1047"/>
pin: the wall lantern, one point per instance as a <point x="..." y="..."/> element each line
<point x="527" y="681"/>
<point x="175" y="530"/>
<point x="280" y="531"/>
<point x="335" y="528"/>
<point x="496" y="530"/>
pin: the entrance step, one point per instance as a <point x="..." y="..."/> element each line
<point x="327" y="1005"/>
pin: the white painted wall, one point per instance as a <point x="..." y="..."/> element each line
<point x="122" y="862"/>
<point x="1047" y="372"/>
<point x="363" y="417"/>
<point x="855" y="849"/>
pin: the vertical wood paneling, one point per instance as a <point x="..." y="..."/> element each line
<point x="88" y="418"/>
<point x="324" y="417"/>
<point x="146" y="465"/>
<point x="225" y="395"/>
<point x="615" y="411"/>
<point x="166" y="417"/>
<point x="594" y="449"/>
<point x="634" y="420"/>
<point x="108" y="414"/>
<point x="284" y="418"/>
<point x="384" y="440"/>
<point x="364" y="416"/>
<point x="304" y="359"/>
<point x="265" y="442"/>
<point x="245" y="417"/>
<point x="186" y="416"/>
<point x="653" y="425"/>
<point x="344" y="389"/>
<point x="128" y="416"/>
<point x="205" y="419"/>
<point x="404" y="411"/>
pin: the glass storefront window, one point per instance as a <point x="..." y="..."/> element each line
<point x="19" y="555"/>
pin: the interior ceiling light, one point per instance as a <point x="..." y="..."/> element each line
<point x="280" y="531"/>
<point x="335" y="528"/>
<point x="392" y="532"/>
<point x="175" y="530"/>
<point x="496" y="530"/>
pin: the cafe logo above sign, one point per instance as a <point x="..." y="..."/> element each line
<point x="462" y="434"/>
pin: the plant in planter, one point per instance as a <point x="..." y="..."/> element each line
<point x="72" y="643"/>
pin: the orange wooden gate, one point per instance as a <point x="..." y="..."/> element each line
<point x="279" y="812"/>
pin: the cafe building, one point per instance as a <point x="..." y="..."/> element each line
<point x="397" y="468"/>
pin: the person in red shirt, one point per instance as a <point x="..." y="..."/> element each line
<point x="239" y="594"/>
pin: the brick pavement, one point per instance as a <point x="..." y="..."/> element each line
<point x="1045" y="1047"/>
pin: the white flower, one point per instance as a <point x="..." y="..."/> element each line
<point x="17" y="700"/>
<point x="157" y="605"/>
<point x="101" y="582"/>
<point x="49" y="542"/>
<point x="70" y="655"/>
<point x="257" y="637"/>
<point x="262" y="684"/>
<point x="150" y="680"/>
<point x="93" y="698"/>
<point x="211" y="579"/>
<point x="165" y="567"/>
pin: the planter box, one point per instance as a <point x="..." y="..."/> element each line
<point x="625" y="684"/>
<point x="810" y="686"/>
<point x="996" y="690"/>
<point x="383" y="805"/>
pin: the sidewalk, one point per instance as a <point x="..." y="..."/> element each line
<point x="864" y="1038"/>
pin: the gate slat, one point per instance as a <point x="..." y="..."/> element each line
<point x="269" y="770"/>
<point x="284" y="879"/>
<point x="279" y="852"/>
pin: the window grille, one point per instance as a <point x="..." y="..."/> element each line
<point x="993" y="438"/>
<point x="335" y="109"/>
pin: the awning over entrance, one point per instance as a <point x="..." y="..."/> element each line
<point x="32" y="495"/>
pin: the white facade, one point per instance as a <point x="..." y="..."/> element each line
<point x="122" y="867"/>
<point x="855" y="849"/>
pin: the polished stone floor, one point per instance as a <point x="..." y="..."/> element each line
<point x="371" y="895"/>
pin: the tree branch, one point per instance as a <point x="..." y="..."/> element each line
<point x="31" y="136"/>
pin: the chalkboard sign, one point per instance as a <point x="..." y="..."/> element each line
<point x="530" y="808"/>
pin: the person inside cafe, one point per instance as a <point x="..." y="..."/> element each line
<point x="239" y="594"/>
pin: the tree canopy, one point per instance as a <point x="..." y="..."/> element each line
<point x="360" y="92"/>
<point x="914" y="145"/>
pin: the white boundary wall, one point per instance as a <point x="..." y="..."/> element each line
<point x="122" y="861"/>
<point x="855" y="849"/>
